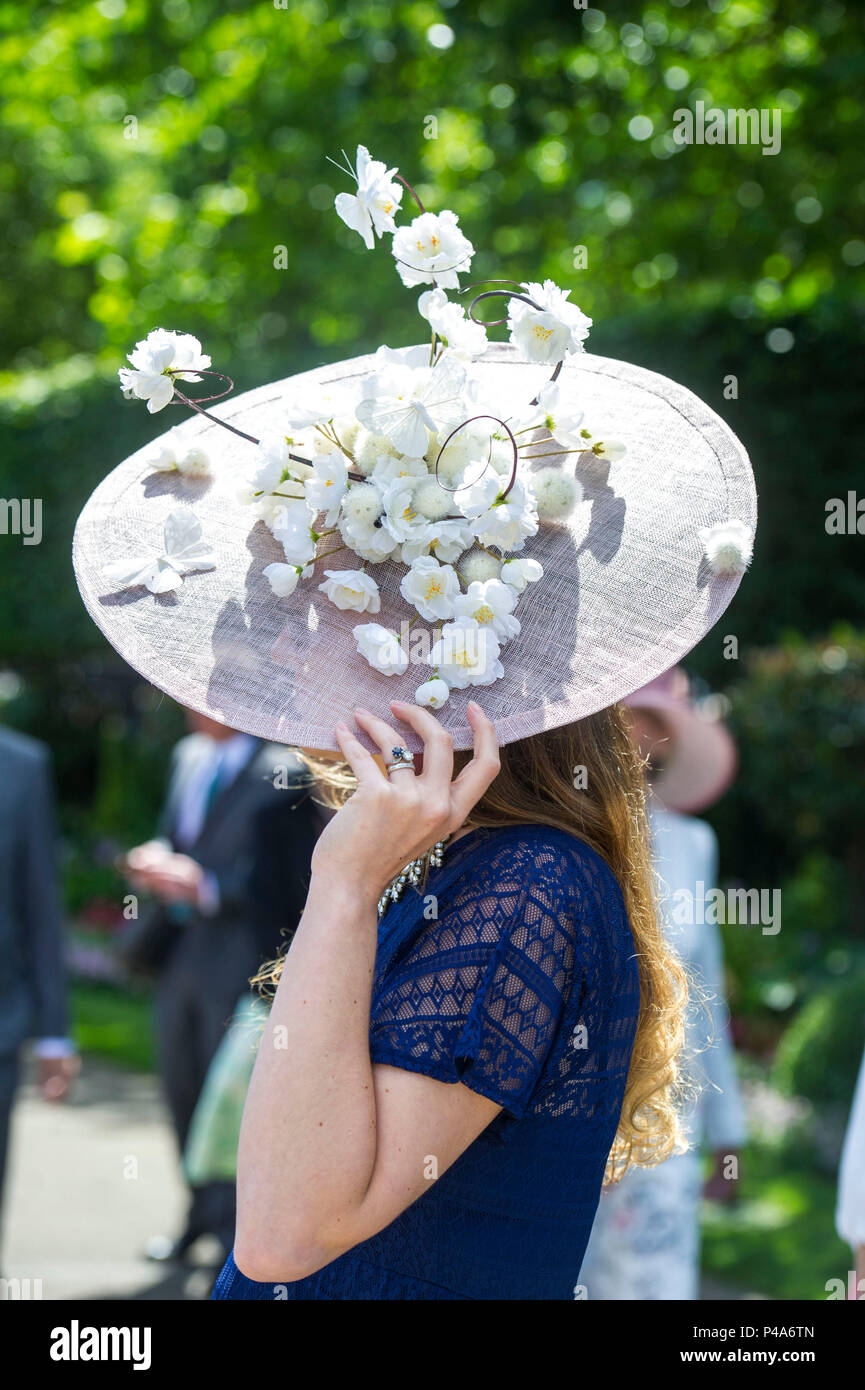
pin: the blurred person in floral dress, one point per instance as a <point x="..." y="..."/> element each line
<point x="645" y="1243"/>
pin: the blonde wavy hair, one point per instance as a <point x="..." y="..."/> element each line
<point x="535" y="786"/>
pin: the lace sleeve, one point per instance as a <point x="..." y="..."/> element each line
<point x="477" y="995"/>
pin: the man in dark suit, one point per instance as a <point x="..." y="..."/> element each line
<point x="230" y="872"/>
<point x="32" y="986"/>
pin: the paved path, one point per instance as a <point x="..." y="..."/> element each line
<point x="88" y="1182"/>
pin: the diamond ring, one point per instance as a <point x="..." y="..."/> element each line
<point x="402" y="758"/>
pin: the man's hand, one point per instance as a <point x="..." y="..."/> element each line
<point x="55" y="1076"/>
<point x="173" y="878"/>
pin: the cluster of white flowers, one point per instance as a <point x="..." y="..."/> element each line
<point x="415" y="465"/>
<point x="157" y="361"/>
<point x="389" y="483"/>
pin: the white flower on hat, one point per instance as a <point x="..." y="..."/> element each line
<point x="520" y="573"/>
<point x="407" y="404"/>
<point x="327" y="486"/>
<point x="292" y="527"/>
<point x="432" y="249"/>
<point x="551" y="332"/>
<point x="728" y="546"/>
<point x="445" y="539"/>
<point x="352" y="590"/>
<point x="370" y="542"/>
<point x="557" y="493"/>
<point x="610" y="449"/>
<point x="156" y="360"/>
<point x="562" y="418"/>
<point x="371" y="210"/>
<point x="476" y="497"/>
<point x="282" y="578"/>
<point x="267" y="509"/>
<point x="163" y="453"/>
<point x="448" y="539"/>
<point x="450" y="321"/>
<point x="433" y="693"/>
<point x="318" y="405"/>
<point x="400" y="517"/>
<point x="466" y="654"/>
<point x="292" y="515"/>
<point x="184" y="551"/>
<point x="432" y="588"/>
<point x="194" y="463"/>
<point x="171" y="454"/>
<point x="504" y="522"/>
<point x="507" y="525"/>
<point x="491" y="603"/>
<point x="381" y="648"/>
<point x="271" y="466"/>
<point x="299" y="548"/>
<point x="397" y="466"/>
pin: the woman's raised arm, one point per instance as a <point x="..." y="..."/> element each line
<point x="333" y="1148"/>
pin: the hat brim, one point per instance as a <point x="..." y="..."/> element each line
<point x="626" y="591"/>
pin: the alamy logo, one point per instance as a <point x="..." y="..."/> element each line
<point x="21" y="516"/>
<point x="76" y="1343"/>
<point x="735" y="126"/>
<point x="845" y="516"/>
<point x="742" y="907"/>
<point x="15" y="1290"/>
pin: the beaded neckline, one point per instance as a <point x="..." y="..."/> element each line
<point x="411" y="875"/>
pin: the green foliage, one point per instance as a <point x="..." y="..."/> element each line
<point x="157" y="153"/>
<point x="770" y="975"/>
<point x="798" y="712"/>
<point x="821" y="1051"/>
<point x="802" y="714"/>
<point x="780" y="1239"/>
<point x="113" y="1023"/>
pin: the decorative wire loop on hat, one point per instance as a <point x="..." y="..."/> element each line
<point x="412" y="875"/>
<point x="402" y="758"/>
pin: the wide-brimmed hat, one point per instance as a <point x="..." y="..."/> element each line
<point x="632" y="578"/>
<point x="701" y="760"/>
<point x="398" y="532"/>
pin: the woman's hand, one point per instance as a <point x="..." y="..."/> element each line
<point x="392" y="819"/>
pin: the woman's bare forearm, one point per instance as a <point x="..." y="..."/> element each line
<point x="308" y="1142"/>
<point x="308" y="1138"/>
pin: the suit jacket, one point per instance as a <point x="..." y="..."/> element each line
<point x="257" y="841"/>
<point x="32" y="983"/>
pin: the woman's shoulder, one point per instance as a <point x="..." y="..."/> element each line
<point x="537" y="853"/>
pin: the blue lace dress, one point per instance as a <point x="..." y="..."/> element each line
<point x="513" y="971"/>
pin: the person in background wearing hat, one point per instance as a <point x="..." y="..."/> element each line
<point x="645" y="1243"/>
<point x="229" y="877"/>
